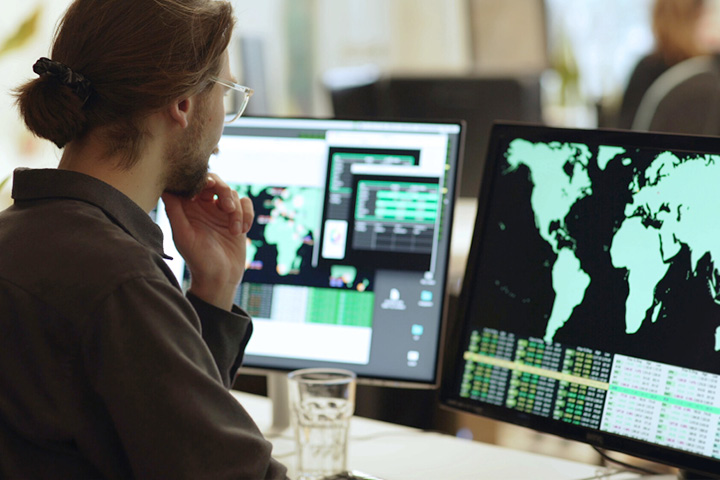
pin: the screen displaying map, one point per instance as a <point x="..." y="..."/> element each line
<point x="284" y="236"/>
<point x="287" y="220"/>
<point x="590" y="306"/>
<point x="347" y="256"/>
<point x="606" y="238"/>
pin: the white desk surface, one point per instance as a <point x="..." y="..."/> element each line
<point x="394" y="452"/>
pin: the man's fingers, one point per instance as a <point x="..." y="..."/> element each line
<point x="237" y="221"/>
<point x="175" y="212"/>
<point x="240" y="212"/>
<point x="248" y="211"/>
<point x="220" y="192"/>
<point x="208" y="193"/>
<point x="228" y="203"/>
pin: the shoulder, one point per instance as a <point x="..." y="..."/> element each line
<point x="65" y="252"/>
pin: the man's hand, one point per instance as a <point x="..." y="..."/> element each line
<point x="210" y="233"/>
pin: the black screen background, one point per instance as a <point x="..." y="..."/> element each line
<point x="510" y="283"/>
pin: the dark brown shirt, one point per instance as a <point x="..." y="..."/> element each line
<point x="106" y="369"/>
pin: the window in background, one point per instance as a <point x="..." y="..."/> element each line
<point x="598" y="41"/>
<point x="297" y="44"/>
<point x="300" y="40"/>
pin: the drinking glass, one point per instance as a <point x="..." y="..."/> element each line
<point x="322" y="401"/>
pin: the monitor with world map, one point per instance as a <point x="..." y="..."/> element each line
<point x="347" y="259"/>
<point x="590" y="308"/>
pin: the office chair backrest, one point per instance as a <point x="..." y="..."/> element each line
<point x="685" y="99"/>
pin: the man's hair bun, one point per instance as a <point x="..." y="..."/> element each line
<point x="51" y="109"/>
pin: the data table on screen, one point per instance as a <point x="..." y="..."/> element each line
<point x="666" y="404"/>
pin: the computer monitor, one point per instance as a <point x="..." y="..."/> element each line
<point x="348" y="256"/>
<point x="590" y="308"/>
<point x="478" y="100"/>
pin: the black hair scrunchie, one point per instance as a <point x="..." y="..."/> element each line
<point x="80" y="85"/>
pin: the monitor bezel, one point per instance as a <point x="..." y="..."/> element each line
<point x="456" y="328"/>
<point x="258" y="368"/>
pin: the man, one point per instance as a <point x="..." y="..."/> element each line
<point x="106" y="369"/>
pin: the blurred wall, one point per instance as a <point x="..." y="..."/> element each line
<point x="508" y="36"/>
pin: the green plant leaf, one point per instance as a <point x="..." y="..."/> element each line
<point x="23" y="34"/>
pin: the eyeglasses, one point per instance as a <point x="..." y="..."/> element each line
<point x="236" y="98"/>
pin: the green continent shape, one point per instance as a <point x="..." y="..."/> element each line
<point x="607" y="153"/>
<point x="569" y="282"/>
<point x="346" y="272"/>
<point x="638" y="249"/>
<point x="242" y="190"/>
<point x="295" y="214"/>
<point x="256" y="189"/>
<point x="554" y="191"/>
<point x="559" y="174"/>
<point x="664" y="215"/>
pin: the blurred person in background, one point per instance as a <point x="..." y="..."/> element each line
<point x="677" y="30"/>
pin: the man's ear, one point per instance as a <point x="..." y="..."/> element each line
<point x="180" y="111"/>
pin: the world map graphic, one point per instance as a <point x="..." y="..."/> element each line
<point x="284" y="238"/>
<point x="664" y="215"/>
<point x="627" y="242"/>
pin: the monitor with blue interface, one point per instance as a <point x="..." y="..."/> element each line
<point x="348" y="256"/>
<point x="590" y="308"/>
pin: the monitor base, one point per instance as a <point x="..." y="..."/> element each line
<point x="277" y="392"/>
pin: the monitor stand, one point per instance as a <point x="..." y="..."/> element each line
<point x="277" y="391"/>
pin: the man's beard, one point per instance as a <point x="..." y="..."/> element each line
<point x="187" y="163"/>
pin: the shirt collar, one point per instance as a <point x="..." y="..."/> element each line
<point x="46" y="184"/>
